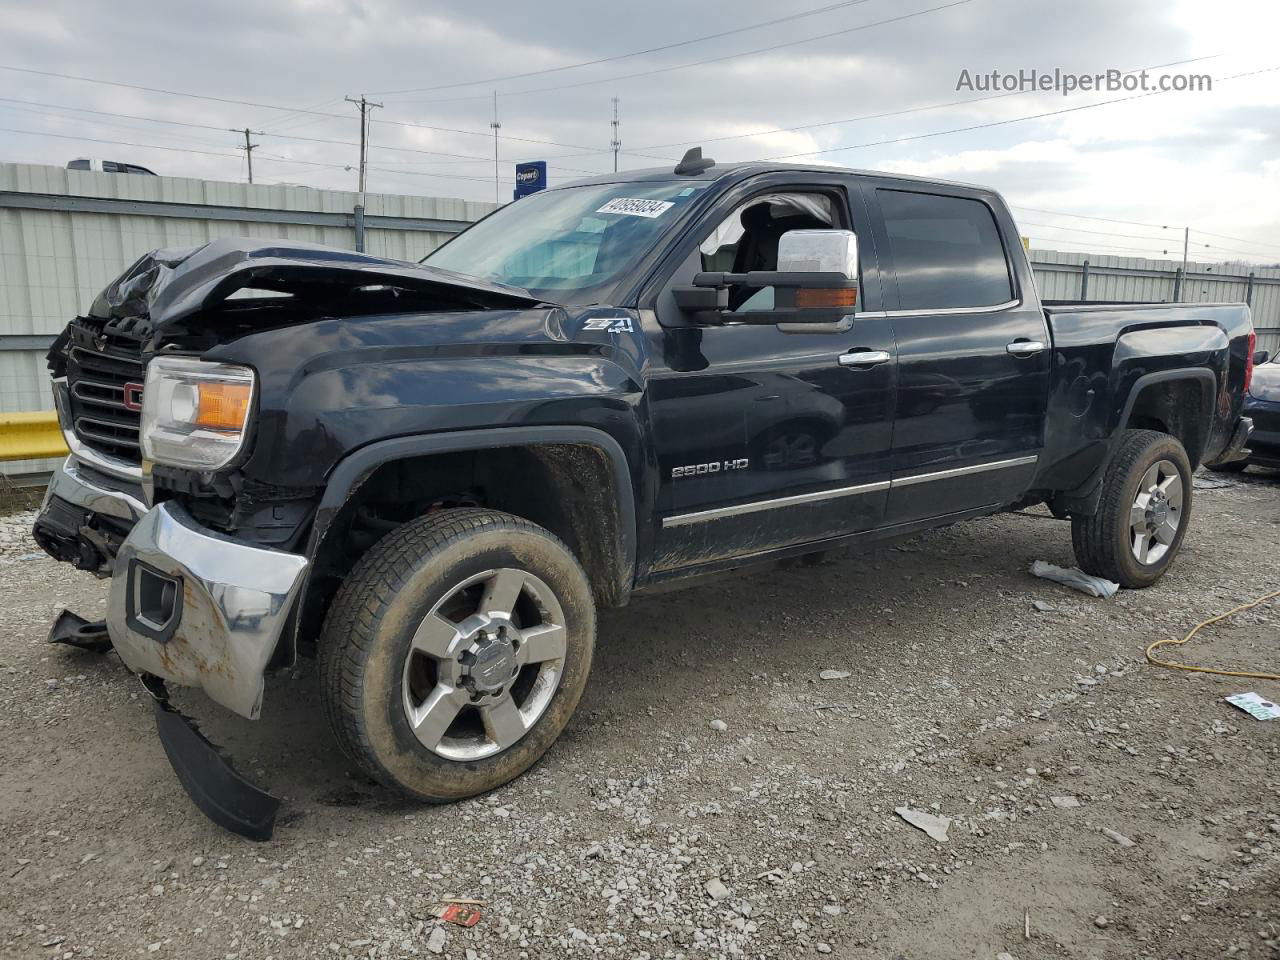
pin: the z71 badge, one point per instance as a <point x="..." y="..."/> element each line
<point x="705" y="469"/>
<point x="609" y="324"/>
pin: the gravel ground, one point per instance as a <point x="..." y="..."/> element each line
<point x="1107" y="808"/>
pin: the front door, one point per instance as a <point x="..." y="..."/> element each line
<point x="766" y="439"/>
<point x="973" y="354"/>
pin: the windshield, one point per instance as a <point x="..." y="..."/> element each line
<point x="571" y="245"/>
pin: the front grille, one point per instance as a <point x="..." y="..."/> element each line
<point x="106" y="393"/>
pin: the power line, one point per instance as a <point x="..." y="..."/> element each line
<point x="1100" y="233"/>
<point x="271" y="106"/>
<point x="261" y="133"/>
<point x="1002" y="123"/>
<point x="895" y="113"/>
<point x="133" y="127"/>
<point x="1223" y="236"/>
<point x="1105" y="246"/>
<point x="235" y="156"/>
<point x="1081" y="216"/>
<point x="721" y="59"/>
<point x="623" y="56"/>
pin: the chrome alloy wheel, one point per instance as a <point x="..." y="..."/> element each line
<point x="1156" y="513"/>
<point x="484" y="664"/>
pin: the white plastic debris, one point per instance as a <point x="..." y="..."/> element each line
<point x="833" y="674"/>
<point x="1255" y="706"/>
<point x="1075" y="578"/>
<point x="932" y="824"/>
<point x="1117" y="837"/>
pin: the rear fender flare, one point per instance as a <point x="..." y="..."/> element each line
<point x="1084" y="499"/>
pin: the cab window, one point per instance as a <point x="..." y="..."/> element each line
<point x="946" y="251"/>
<point x="748" y="238"/>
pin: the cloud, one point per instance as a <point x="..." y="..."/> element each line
<point x="1202" y="159"/>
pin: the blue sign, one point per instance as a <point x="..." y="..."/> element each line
<point x="530" y="178"/>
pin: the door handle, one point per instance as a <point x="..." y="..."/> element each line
<point x="1025" y="348"/>
<point x="864" y="358"/>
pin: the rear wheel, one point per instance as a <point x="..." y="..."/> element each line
<point x="456" y="651"/>
<point x="1143" y="514"/>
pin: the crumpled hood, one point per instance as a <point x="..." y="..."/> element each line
<point x="1266" y="382"/>
<point x="171" y="284"/>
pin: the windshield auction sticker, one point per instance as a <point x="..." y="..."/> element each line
<point x="649" y="209"/>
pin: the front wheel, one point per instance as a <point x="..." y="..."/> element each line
<point x="1143" y="514"/>
<point x="456" y="651"/>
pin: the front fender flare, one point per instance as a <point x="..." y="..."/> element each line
<point x="360" y="463"/>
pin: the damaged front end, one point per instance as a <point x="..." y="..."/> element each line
<point x="207" y="561"/>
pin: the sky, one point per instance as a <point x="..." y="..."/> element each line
<point x="871" y="83"/>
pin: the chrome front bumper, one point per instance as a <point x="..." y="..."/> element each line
<point x="188" y="604"/>
<point x="121" y="500"/>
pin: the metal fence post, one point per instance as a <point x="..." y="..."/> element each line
<point x="1248" y="290"/>
<point x="1177" y="284"/>
<point x="1084" y="281"/>
<point x="359" y="225"/>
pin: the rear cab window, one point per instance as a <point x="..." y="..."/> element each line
<point x="947" y="252"/>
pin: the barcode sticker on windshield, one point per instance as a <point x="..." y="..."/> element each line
<point x="650" y="209"/>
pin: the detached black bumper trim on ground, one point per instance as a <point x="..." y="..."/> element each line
<point x="212" y="783"/>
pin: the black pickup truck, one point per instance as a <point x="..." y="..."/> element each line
<point x="430" y="476"/>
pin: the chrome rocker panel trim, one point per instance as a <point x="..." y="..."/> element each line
<point x="717" y="513"/>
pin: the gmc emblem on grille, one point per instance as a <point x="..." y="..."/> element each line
<point x="133" y="396"/>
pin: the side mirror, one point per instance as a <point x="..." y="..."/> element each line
<point x="815" y="288"/>
<point x="1261" y="357"/>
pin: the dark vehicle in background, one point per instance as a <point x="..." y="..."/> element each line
<point x="1262" y="406"/>
<point x="430" y="476"/>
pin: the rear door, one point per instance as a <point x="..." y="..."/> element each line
<point x="973" y="352"/>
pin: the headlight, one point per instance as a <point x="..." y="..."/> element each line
<point x="195" y="414"/>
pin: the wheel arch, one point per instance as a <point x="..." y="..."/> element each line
<point x="1179" y="402"/>
<point x="574" y="481"/>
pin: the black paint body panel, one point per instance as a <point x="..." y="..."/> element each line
<point x="775" y="410"/>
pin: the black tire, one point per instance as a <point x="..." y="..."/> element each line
<point x="369" y="629"/>
<point x="1235" y="466"/>
<point x="1103" y="542"/>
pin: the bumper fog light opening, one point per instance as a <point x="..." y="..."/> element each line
<point x="154" y="602"/>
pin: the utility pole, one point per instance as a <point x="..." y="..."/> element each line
<point x="248" y="149"/>
<point x="365" y="106"/>
<point x="497" y="192"/>
<point x="616" y="142"/>
<point x="1186" y="240"/>
<point x="358" y="213"/>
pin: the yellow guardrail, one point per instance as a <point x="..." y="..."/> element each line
<point x="31" y="436"/>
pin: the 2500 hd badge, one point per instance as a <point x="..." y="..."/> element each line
<point x="703" y="469"/>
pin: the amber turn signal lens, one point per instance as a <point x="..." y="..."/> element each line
<point x="827" y="299"/>
<point x="223" y="406"/>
